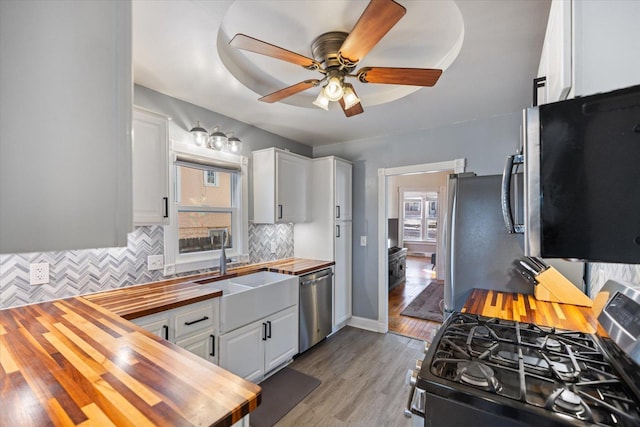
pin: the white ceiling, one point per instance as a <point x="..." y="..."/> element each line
<point x="176" y="52"/>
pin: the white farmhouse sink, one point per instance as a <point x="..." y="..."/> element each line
<point x="261" y="278"/>
<point x="246" y="299"/>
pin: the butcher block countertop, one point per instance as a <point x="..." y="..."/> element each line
<point x="141" y="300"/>
<point x="80" y="361"/>
<point x="72" y="362"/>
<point x="526" y="308"/>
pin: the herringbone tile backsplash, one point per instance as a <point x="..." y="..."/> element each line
<point x="85" y="271"/>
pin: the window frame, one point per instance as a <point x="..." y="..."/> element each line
<point x="175" y="262"/>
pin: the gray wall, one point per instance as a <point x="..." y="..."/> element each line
<point x="484" y="143"/>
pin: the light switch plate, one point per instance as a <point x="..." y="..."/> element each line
<point x="274" y="247"/>
<point x="155" y="262"/>
<point x="363" y="240"/>
<point x="39" y="273"/>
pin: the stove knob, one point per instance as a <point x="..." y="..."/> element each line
<point x="426" y="346"/>
<point x="418" y="364"/>
<point x="411" y="378"/>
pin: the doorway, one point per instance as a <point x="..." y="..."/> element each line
<point x="419" y="269"/>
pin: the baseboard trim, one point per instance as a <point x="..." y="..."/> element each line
<point x="367" y="324"/>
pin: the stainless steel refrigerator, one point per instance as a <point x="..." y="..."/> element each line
<point x="480" y="253"/>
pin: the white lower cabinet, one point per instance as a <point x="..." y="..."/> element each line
<point x="252" y="351"/>
<point x="193" y="327"/>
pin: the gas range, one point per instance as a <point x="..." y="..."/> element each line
<point x="488" y="371"/>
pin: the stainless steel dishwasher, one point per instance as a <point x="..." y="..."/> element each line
<point x="316" y="301"/>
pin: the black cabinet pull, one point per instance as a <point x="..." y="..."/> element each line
<point x="538" y="82"/>
<point x="337" y="211"/>
<point x="337" y="231"/>
<point x="264" y="331"/>
<point x="213" y="346"/>
<point x="279" y="211"/>
<point x="166" y="207"/>
<point x="196" y="321"/>
<point x="269" y="333"/>
<point x="165" y="331"/>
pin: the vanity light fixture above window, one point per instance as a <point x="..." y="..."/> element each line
<point x="217" y="140"/>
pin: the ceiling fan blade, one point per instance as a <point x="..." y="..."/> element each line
<point x="400" y="76"/>
<point x="356" y="109"/>
<point x="376" y="21"/>
<point x="288" y="91"/>
<point x="244" y="42"/>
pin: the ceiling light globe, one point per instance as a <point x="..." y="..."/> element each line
<point x="235" y="145"/>
<point x="350" y="98"/>
<point x="217" y="139"/>
<point x="333" y="90"/>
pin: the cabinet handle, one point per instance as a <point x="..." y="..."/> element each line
<point x="279" y="211"/>
<point x="269" y="333"/>
<point x="166" y="207"/>
<point x="196" y="321"/>
<point x="337" y="231"/>
<point x="165" y="331"/>
<point x="264" y="331"/>
<point x="538" y="82"/>
<point x="213" y="346"/>
<point x="337" y="211"/>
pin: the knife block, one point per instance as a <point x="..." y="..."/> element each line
<point x="554" y="287"/>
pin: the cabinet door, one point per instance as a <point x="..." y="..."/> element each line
<point x="66" y="70"/>
<point x="555" y="61"/>
<point x="343" y="191"/>
<point x="291" y="188"/>
<point x="282" y="338"/>
<point x="342" y="274"/>
<point x="157" y="324"/>
<point x="202" y="344"/>
<point x="150" y="169"/>
<point x="242" y="351"/>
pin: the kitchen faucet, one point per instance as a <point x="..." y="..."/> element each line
<point x="223" y="255"/>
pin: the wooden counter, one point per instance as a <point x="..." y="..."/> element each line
<point x="79" y="361"/>
<point x="136" y="301"/>
<point x="526" y="308"/>
<point x="70" y="362"/>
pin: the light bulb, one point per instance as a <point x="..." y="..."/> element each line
<point x="333" y="90"/>
<point x="217" y="139"/>
<point x="321" y="101"/>
<point x="350" y="98"/>
<point x="199" y="135"/>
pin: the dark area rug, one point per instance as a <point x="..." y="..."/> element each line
<point x="428" y="303"/>
<point x="280" y="394"/>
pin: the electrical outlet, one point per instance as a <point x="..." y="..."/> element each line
<point x="274" y="247"/>
<point x="39" y="273"/>
<point x="155" y="262"/>
<point x="363" y="240"/>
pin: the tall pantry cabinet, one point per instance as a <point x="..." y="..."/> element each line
<point x="328" y="234"/>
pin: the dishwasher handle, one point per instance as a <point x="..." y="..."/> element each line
<point x="308" y="282"/>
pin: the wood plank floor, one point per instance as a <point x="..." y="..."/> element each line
<point x="363" y="380"/>
<point x="419" y="275"/>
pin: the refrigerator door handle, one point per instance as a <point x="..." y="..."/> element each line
<point x="507" y="214"/>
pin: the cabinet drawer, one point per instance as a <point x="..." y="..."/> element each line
<point x="193" y="318"/>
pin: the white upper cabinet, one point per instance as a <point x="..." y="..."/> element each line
<point x="150" y="168"/>
<point x="280" y="187"/>
<point x="65" y="125"/>
<point x="588" y="48"/>
<point x="555" y="61"/>
<point x="343" y="190"/>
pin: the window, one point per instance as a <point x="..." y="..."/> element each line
<point x="420" y="221"/>
<point x="208" y="210"/>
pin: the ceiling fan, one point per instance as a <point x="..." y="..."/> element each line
<point x="336" y="55"/>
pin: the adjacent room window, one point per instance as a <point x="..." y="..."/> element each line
<point x="208" y="212"/>
<point x="420" y="216"/>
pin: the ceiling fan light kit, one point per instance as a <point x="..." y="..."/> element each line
<point x="336" y="55"/>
